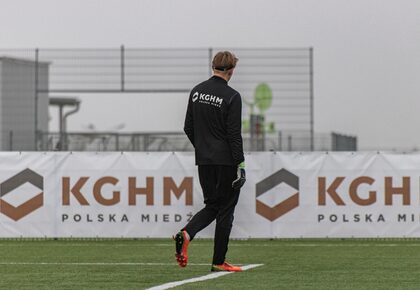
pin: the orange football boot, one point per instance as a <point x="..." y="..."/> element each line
<point x="181" y="248"/>
<point x="225" y="267"/>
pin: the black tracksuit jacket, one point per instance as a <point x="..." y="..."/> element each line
<point x="213" y="123"/>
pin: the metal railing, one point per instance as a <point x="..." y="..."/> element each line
<point x="110" y="141"/>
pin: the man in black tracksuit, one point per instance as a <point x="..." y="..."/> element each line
<point x="213" y="125"/>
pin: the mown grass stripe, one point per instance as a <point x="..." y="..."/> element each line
<point x="97" y="264"/>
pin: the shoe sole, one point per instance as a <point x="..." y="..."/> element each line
<point x="179" y="243"/>
<point x="216" y="269"/>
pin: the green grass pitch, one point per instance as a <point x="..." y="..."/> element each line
<point x="288" y="264"/>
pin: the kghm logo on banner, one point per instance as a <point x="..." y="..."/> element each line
<point x="273" y="181"/>
<point x="278" y="194"/>
<point x="119" y="194"/>
<point x="8" y="187"/>
<point x="367" y="194"/>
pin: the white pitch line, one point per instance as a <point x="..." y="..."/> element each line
<point x="199" y="279"/>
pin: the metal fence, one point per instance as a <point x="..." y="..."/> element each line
<point x="287" y="71"/>
<point x="109" y="141"/>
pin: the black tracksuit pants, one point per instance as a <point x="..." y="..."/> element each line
<point x="220" y="200"/>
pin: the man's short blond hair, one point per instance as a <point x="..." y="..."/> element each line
<point x="224" y="61"/>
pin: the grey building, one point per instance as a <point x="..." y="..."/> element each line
<point x="23" y="109"/>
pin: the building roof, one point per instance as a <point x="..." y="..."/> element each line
<point x="22" y="60"/>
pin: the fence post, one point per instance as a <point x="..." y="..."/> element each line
<point x="311" y="97"/>
<point x="289" y="143"/>
<point x="280" y="145"/>
<point x="210" y="61"/>
<point x="117" y="141"/>
<point x="334" y="142"/>
<point x="11" y="140"/>
<point x="122" y="68"/>
<point x="146" y="142"/>
<point x="36" y="98"/>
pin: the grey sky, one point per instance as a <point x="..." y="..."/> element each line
<point x="366" y="52"/>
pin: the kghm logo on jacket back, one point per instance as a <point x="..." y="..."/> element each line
<point x="207" y="99"/>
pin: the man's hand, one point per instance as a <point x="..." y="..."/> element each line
<point x="241" y="177"/>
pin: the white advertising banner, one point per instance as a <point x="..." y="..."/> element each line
<point x="110" y="194"/>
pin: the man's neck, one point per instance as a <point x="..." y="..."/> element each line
<point x="223" y="76"/>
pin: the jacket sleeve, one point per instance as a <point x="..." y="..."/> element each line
<point x="189" y="122"/>
<point x="234" y="127"/>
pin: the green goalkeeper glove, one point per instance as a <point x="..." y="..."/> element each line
<point x="241" y="177"/>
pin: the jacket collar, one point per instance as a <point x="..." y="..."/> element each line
<point x="218" y="79"/>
